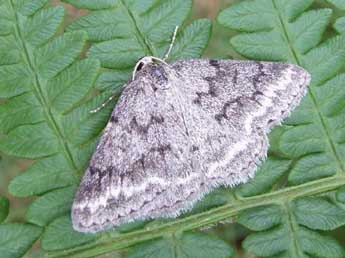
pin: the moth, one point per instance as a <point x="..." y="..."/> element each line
<point x="180" y="130"/>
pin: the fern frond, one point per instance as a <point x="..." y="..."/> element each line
<point x="44" y="84"/>
<point x="310" y="145"/>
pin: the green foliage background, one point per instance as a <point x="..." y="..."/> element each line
<point x="60" y="60"/>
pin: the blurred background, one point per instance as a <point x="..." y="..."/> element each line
<point x="219" y="47"/>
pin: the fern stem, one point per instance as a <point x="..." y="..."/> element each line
<point x="223" y="213"/>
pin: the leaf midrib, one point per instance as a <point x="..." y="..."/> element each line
<point x="50" y="119"/>
<point x="292" y="228"/>
<point x="142" y="39"/>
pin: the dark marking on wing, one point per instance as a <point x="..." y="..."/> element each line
<point x="212" y="82"/>
<point x="261" y="74"/>
<point x="139" y="164"/>
<point x="157" y="119"/>
<point x="223" y="114"/>
<point x="143" y="129"/>
<point x="212" y="87"/>
<point x="253" y="96"/>
<point x="122" y="177"/>
<point x="154" y="87"/>
<point x="235" y="77"/>
<point x="101" y="173"/>
<point x="162" y="150"/>
<point x="239" y="101"/>
<point x="195" y="148"/>
<point x="114" y="119"/>
<point x="214" y="63"/>
<point x="211" y="90"/>
<point x="92" y="170"/>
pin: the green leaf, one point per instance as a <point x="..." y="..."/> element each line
<point x="43" y="176"/>
<point x="319" y="60"/>
<point x="20" y="110"/>
<point x="4" y="208"/>
<point x="318" y="213"/>
<point x="320" y="246"/>
<point x="30" y="7"/>
<point x="15" y="78"/>
<point x="304" y="33"/>
<point x="49" y="59"/>
<point x="117" y="53"/>
<point x="17" y="239"/>
<point x="338" y="3"/>
<point x="312" y="167"/>
<point x="55" y="203"/>
<point x="60" y="235"/>
<point x="339" y="25"/>
<point x="252" y="16"/>
<point x="70" y="86"/>
<point x="267" y="243"/>
<point x="93" y="5"/>
<point x="269" y="173"/>
<point x="189" y="245"/>
<point x="42" y="25"/>
<point x="261" y="218"/>
<point x="277" y="241"/>
<point x="20" y="140"/>
<point x="8" y="52"/>
<point x="113" y="80"/>
<point x="307" y="30"/>
<point x="192" y="41"/>
<point x="214" y="199"/>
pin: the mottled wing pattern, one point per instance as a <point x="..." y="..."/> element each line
<point x="143" y="150"/>
<point x="236" y="103"/>
<point x="179" y="131"/>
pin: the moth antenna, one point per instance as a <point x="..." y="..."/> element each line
<point x="103" y="104"/>
<point x="171" y="44"/>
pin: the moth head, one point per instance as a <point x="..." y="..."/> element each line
<point x="154" y="69"/>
